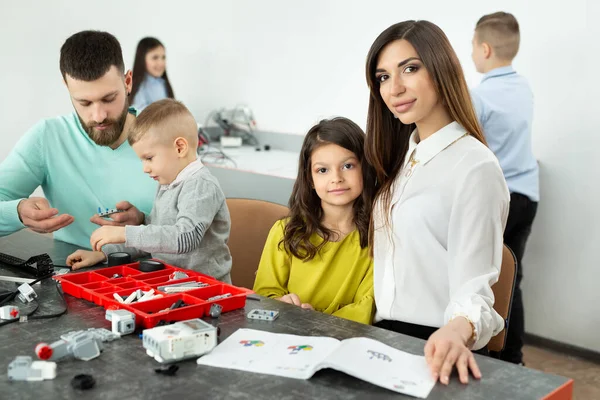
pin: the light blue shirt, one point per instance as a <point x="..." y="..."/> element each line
<point x="151" y="89"/>
<point x="76" y="174"/>
<point x="504" y="105"/>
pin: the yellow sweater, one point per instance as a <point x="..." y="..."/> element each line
<point x="337" y="281"/>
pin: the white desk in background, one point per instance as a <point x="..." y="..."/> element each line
<point x="247" y="173"/>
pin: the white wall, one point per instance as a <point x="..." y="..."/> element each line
<point x="295" y="62"/>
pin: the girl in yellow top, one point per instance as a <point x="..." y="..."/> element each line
<point x="318" y="258"/>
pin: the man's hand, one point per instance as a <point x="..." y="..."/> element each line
<point x="107" y="235"/>
<point x="36" y="214"/>
<point x="130" y="216"/>
<point x="85" y="258"/>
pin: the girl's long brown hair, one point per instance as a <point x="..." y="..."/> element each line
<point x="387" y="137"/>
<point x="305" y="205"/>
<point x="139" y="66"/>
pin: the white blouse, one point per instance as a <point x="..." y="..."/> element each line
<point x="441" y="250"/>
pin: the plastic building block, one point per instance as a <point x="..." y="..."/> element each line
<point x="26" y="293"/>
<point x="193" y="285"/>
<point x="9" y="312"/>
<point x="253" y="296"/>
<point x="83" y="382"/>
<point x="147" y="296"/>
<point x="179" y="289"/>
<point x="108" y="212"/>
<point x="151" y="266"/>
<point x="122" y="321"/>
<point x="86" y="347"/>
<point x="219" y="297"/>
<point x="119" y="258"/>
<point x="102" y="334"/>
<point x="178" y="275"/>
<point x="83" y="345"/>
<point x="167" y="370"/>
<point x="38" y="266"/>
<point x="23" y="368"/>
<point x="185" y="339"/>
<point x="132" y="296"/>
<point x="264" y="315"/>
<point x="215" y="310"/>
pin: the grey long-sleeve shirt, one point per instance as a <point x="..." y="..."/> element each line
<point x="188" y="226"/>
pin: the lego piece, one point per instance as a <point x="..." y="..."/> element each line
<point x="26" y="293"/>
<point x="23" y="368"/>
<point x="104" y="334"/>
<point x="185" y="339"/>
<point x="264" y="315"/>
<point x="179" y="303"/>
<point x="147" y="296"/>
<point x="38" y="266"/>
<point x="151" y="266"/>
<point x="131" y="297"/>
<point x="122" y="321"/>
<point x="83" y="345"/>
<point x="215" y="310"/>
<point x="253" y="296"/>
<point x="193" y="285"/>
<point x="178" y="275"/>
<point x="221" y="296"/>
<point x="154" y="296"/>
<point x="118" y="258"/>
<point x="167" y="370"/>
<point x="179" y="289"/>
<point x="9" y="312"/>
<point x="83" y="382"/>
<point x="118" y="298"/>
<point x="86" y="347"/>
<point x="108" y="212"/>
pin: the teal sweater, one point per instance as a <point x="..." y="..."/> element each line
<point x="76" y="175"/>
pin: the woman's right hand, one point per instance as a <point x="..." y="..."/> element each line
<point x="85" y="258"/>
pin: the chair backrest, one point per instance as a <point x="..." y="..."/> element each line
<point x="251" y="221"/>
<point x="503" y="293"/>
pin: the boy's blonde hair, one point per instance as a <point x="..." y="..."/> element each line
<point x="501" y="31"/>
<point x="170" y="120"/>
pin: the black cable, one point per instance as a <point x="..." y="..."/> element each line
<point x="63" y="312"/>
<point x="14" y="294"/>
<point x="48" y="316"/>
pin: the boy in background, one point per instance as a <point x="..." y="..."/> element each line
<point x="504" y="105"/>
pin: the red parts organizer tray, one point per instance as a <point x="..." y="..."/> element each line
<point x="98" y="286"/>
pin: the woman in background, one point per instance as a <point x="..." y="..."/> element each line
<point x="150" y="80"/>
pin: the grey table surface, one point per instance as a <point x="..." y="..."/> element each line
<point x="124" y="371"/>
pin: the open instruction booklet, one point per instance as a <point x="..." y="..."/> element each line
<point x="301" y="356"/>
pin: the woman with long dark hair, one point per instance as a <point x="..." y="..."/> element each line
<point x="442" y="201"/>
<point x="150" y="80"/>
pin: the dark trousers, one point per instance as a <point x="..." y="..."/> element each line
<point x="518" y="227"/>
<point x="418" y="331"/>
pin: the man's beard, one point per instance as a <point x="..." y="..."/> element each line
<point x="111" y="134"/>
